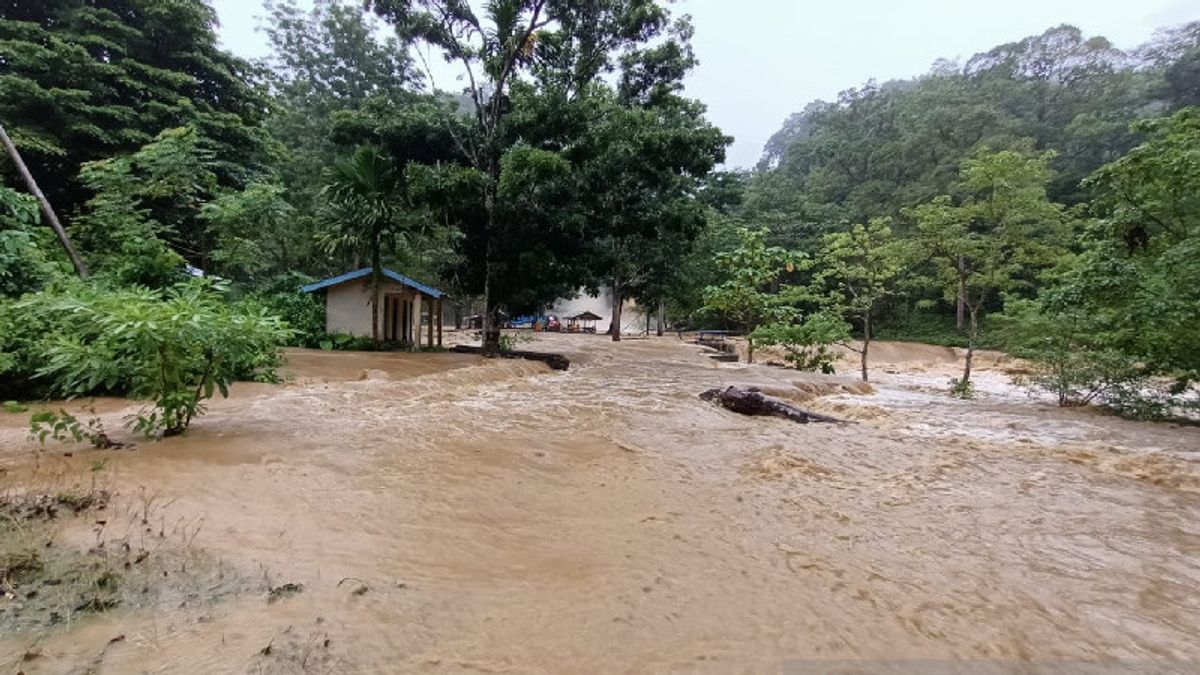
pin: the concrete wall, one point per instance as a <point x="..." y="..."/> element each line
<point x="348" y="306"/>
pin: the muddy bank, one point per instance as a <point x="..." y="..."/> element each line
<point x="505" y="517"/>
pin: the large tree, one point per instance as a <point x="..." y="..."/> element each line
<point x="325" y="62"/>
<point x="83" y="81"/>
<point x="567" y="44"/>
<point x="862" y="269"/>
<point x="367" y="213"/>
<point x="993" y="236"/>
<point x="639" y="171"/>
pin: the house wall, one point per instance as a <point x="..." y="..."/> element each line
<point x="348" y="306"/>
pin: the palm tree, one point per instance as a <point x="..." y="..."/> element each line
<point x="366" y="212"/>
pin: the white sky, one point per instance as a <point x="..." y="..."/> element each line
<point x="761" y="60"/>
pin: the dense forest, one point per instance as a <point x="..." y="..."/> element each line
<point x="1040" y="197"/>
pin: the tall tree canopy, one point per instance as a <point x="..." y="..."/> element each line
<point x="565" y="44"/>
<point x="86" y="81"/>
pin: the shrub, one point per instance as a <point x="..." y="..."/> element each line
<point x="303" y="313"/>
<point x="347" y="342"/>
<point x="960" y="388"/>
<point x="807" y="345"/>
<point x="1077" y="356"/>
<point x="176" y="347"/>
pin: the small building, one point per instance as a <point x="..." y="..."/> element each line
<point x="404" y="306"/>
<point x="585" y="322"/>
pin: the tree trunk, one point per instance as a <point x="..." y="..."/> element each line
<point x="647" y="324"/>
<point x="970" y="344"/>
<point x="961" y="300"/>
<point x="47" y="210"/>
<point x="376" y="275"/>
<point x="616" y="311"/>
<point x="491" y="313"/>
<point x="866" y="343"/>
<point x="661" y="315"/>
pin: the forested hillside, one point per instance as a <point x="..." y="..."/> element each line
<point x="1042" y="188"/>
<point x="1039" y="197"/>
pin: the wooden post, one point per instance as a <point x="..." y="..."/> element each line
<point x="48" y="210"/>
<point x="439" y="320"/>
<point x="430" y="305"/>
<point x="414" y="320"/>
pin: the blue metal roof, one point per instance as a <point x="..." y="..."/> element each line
<point x="366" y="271"/>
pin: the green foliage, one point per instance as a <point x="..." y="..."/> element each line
<point x="367" y="212"/>
<point x="87" y="81"/>
<point x="346" y="342"/>
<point x="302" y="313"/>
<point x="14" y="407"/>
<point x="862" y="269"/>
<point x="510" y="342"/>
<point x="923" y="324"/>
<point x="64" y="427"/>
<point x="1070" y="352"/>
<point x="335" y="83"/>
<point x="807" y="344"/>
<point x="755" y="290"/>
<point x="252" y="232"/>
<point x="1133" y="293"/>
<point x="564" y="48"/>
<point x="144" y="201"/>
<point x="996" y="237"/>
<point x="27" y="251"/>
<point x="638" y="173"/>
<point x="961" y="387"/>
<point x="175" y="347"/>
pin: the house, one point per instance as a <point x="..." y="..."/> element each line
<point x="404" y="304"/>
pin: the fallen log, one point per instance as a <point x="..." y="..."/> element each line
<point x="555" y="361"/>
<point x="751" y="401"/>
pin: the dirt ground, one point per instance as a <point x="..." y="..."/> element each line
<point x="442" y="513"/>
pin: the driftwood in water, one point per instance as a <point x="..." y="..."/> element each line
<point x="750" y="401"/>
<point x="555" y="361"/>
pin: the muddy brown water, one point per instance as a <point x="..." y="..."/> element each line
<point x="505" y="518"/>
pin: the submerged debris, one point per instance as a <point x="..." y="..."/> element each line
<point x="751" y="401"/>
<point x="284" y="591"/>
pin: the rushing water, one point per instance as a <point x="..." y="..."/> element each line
<point x="505" y="518"/>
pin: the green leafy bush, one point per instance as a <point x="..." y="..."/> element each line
<point x="64" y="427"/>
<point x="806" y="345"/>
<point x="346" y="342"/>
<point x="962" y="388"/>
<point x="509" y="342"/>
<point x="26" y="258"/>
<point x="1069" y="350"/>
<point x="176" y="348"/>
<point x="303" y="313"/>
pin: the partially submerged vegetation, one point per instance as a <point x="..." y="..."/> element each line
<point x="1039" y="184"/>
<point x="130" y="558"/>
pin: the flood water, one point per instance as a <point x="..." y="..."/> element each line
<point x="505" y="518"/>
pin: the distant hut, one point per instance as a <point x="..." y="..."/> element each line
<point x="403" y="302"/>
<point x="582" y="323"/>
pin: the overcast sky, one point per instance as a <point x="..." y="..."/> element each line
<point x="761" y="60"/>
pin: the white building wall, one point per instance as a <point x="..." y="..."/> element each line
<point x="348" y="306"/>
<point x="633" y="319"/>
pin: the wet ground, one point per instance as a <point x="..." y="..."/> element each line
<point x="439" y="513"/>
